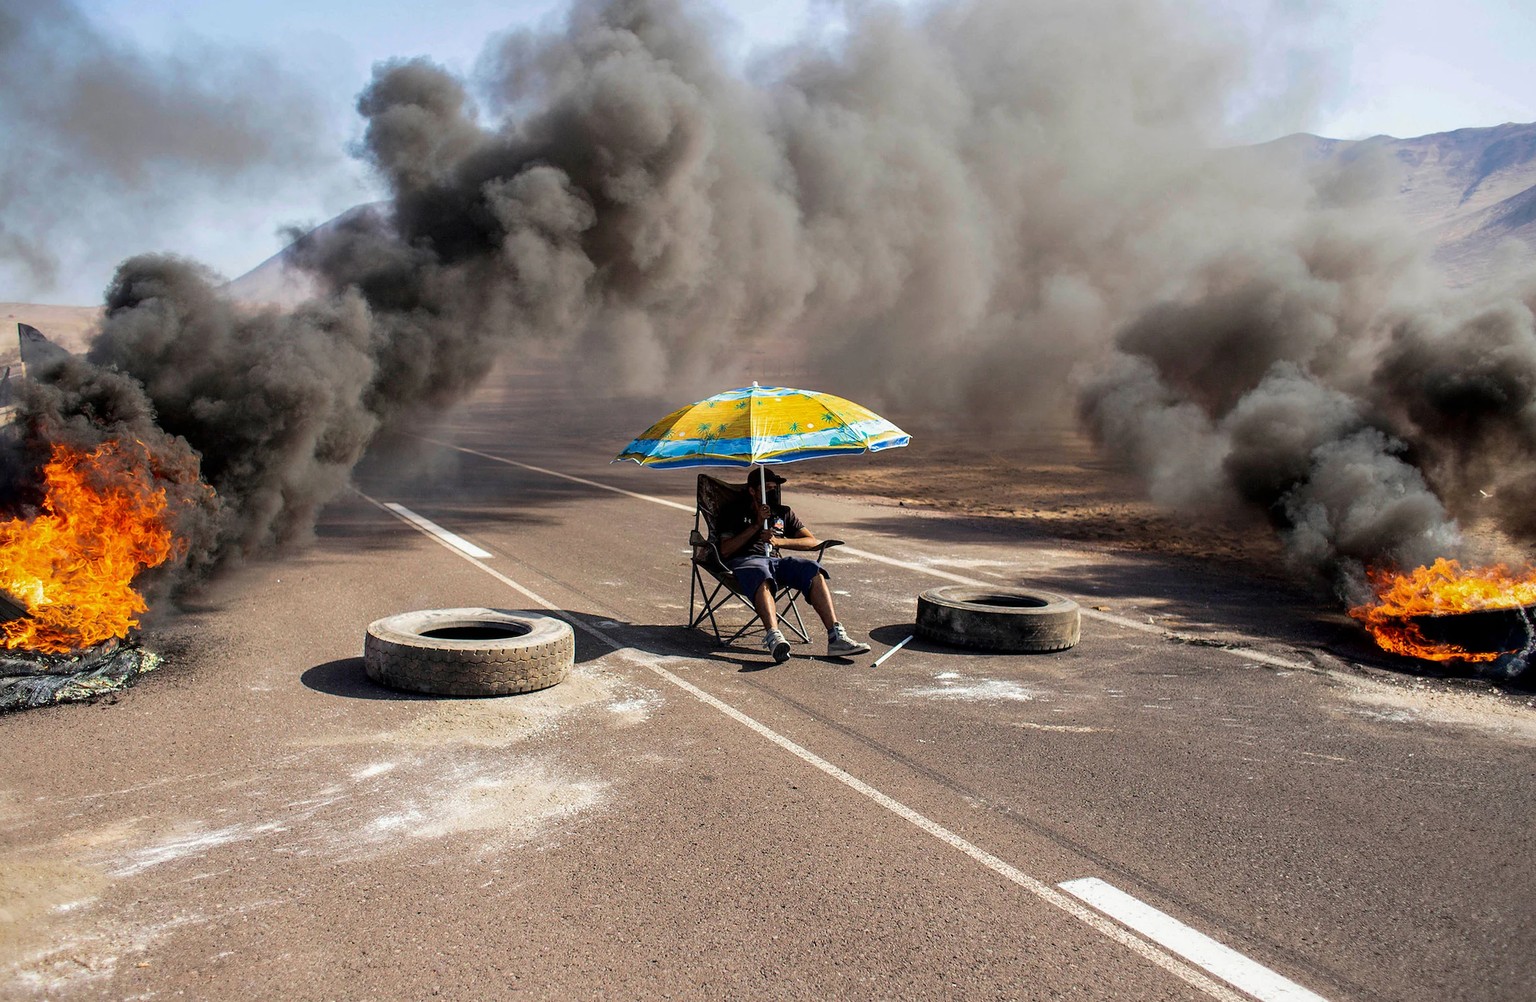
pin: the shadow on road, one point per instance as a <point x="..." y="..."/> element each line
<point x="346" y="677"/>
<point x="672" y="640"/>
<point x="678" y="641"/>
<point x="887" y="637"/>
<point x="745" y="654"/>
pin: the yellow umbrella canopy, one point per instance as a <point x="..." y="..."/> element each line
<point x="763" y="425"/>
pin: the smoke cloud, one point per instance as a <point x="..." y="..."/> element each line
<point x="997" y="209"/>
<point x="102" y="136"/>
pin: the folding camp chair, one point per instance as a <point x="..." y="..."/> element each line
<point x="714" y="498"/>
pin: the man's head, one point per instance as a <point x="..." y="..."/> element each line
<point x="755" y="483"/>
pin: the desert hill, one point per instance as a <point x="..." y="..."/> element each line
<point x="1471" y="191"/>
<point x="276" y="281"/>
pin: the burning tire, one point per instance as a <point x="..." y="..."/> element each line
<point x="1484" y="633"/>
<point x="469" y="652"/>
<point x="998" y="619"/>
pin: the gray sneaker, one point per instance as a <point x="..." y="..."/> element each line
<point x="775" y="644"/>
<point x="841" y="645"/>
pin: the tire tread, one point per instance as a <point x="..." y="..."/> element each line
<point x="393" y="656"/>
<point x="944" y="615"/>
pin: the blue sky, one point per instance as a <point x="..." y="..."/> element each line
<point x="1420" y="66"/>
<point x="1413" y="66"/>
<point x="1401" y="67"/>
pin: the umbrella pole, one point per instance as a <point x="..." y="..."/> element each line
<point x="762" y="469"/>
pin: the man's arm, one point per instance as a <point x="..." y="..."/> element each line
<point x="798" y="536"/>
<point x="805" y="541"/>
<point x="730" y="546"/>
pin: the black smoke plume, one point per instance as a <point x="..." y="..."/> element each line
<point x="999" y="209"/>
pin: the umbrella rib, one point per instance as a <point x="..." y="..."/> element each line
<point x="843" y="418"/>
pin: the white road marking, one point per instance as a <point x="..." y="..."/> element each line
<point x="457" y="542"/>
<point x="1038" y="888"/>
<point x="1194" y="946"/>
<point x="556" y="473"/>
<point x="1247" y="654"/>
<point x="978" y="583"/>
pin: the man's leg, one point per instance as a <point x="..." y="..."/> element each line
<point x="773" y="641"/>
<point x="821" y="600"/>
<point x="762" y="601"/>
<point x="754" y="576"/>
<point x="839" y="644"/>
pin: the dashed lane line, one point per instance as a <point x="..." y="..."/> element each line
<point x="1191" y="944"/>
<point x="426" y="525"/>
<point x="1149" y="951"/>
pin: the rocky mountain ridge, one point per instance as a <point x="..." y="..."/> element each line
<point x="1472" y="192"/>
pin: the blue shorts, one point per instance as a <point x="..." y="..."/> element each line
<point x="784" y="572"/>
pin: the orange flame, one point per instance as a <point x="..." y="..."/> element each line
<point x="73" y="565"/>
<point x="1442" y="588"/>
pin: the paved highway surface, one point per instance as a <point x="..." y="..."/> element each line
<point x="1220" y="793"/>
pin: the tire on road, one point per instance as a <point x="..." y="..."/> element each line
<point x="468" y="652"/>
<point x="998" y="619"/>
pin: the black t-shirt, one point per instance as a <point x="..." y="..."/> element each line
<point x="786" y="524"/>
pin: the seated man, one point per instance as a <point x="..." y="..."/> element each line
<point x="750" y="538"/>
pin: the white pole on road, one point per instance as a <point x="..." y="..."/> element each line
<point x="893" y="650"/>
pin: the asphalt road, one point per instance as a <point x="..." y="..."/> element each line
<point x="677" y="820"/>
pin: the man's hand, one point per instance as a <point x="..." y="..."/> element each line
<point x="764" y="523"/>
<point x="754" y="533"/>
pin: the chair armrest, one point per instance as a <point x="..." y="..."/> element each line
<point x="705" y="550"/>
<point x="825" y="545"/>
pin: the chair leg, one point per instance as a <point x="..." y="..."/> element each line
<point x="708" y="609"/>
<point x="696" y="588"/>
<point x="789" y="618"/>
<point x="798" y="626"/>
<point x="693" y="589"/>
<point x="756" y="620"/>
<point x="737" y="635"/>
<point x="713" y="605"/>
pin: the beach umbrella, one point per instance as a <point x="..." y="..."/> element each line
<point x="763" y="426"/>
